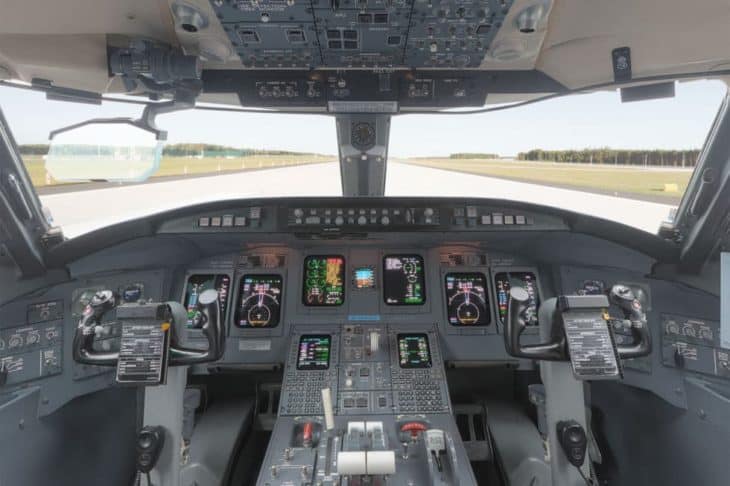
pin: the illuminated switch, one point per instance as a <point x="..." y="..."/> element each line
<point x="509" y="219"/>
<point x="240" y="221"/>
<point x="471" y="212"/>
<point x="215" y="221"/>
<point x="204" y="221"/>
<point x="486" y="219"/>
<point x="519" y="219"/>
<point x="497" y="218"/>
<point x="227" y="220"/>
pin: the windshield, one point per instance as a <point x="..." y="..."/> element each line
<point x="588" y="153"/>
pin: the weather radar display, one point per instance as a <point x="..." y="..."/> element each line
<point x="466" y="299"/>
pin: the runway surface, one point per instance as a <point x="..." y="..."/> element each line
<point x="82" y="211"/>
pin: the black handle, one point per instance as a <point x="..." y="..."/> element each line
<point x="83" y="351"/>
<point x="212" y="328"/>
<point x="624" y="298"/>
<point x="516" y="324"/>
<point x="105" y="300"/>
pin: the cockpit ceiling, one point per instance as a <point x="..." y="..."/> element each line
<point x="568" y="41"/>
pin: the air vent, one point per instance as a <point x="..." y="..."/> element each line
<point x="381" y="18"/>
<point x="365" y="18"/>
<point x="350" y="44"/>
<point x="296" y="36"/>
<point x="335" y="44"/>
<point x="249" y="36"/>
<point x="393" y="40"/>
<point x="350" y="34"/>
<point x="334" y="34"/>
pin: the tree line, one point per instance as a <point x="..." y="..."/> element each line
<point x="467" y="155"/>
<point x="660" y="158"/>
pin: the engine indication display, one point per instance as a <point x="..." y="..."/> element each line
<point x="413" y="351"/>
<point x="259" y="301"/>
<point x="199" y="283"/>
<point x="314" y="352"/>
<point x="404" y="280"/>
<point x="466" y="299"/>
<point x="503" y="281"/>
<point x="324" y="281"/>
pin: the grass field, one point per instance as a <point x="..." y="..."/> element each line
<point x="656" y="182"/>
<point x="173" y="166"/>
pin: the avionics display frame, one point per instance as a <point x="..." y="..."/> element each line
<point x="314" y="365"/>
<point x="215" y="274"/>
<point x="487" y="311"/>
<point x="400" y="299"/>
<point x="517" y="269"/>
<point x="237" y="309"/>
<point x="405" y="336"/>
<point x="342" y="278"/>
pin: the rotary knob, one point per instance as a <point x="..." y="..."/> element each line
<point x="385" y="221"/>
<point x="298" y="213"/>
<point x="362" y="220"/>
<point x="339" y="220"/>
<point x="428" y="212"/>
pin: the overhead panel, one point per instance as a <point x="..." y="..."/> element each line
<point x="298" y="34"/>
<point x="453" y="33"/>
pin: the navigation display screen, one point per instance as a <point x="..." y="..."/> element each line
<point x="324" y="281"/>
<point x="259" y="301"/>
<point x="404" y="280"/>
<point x="413" y="351"/>
<point x="363" y="278"/>
<point x="314" y="352"/>
<point x="199" y="283"/>
<point x="505" y="280"/>
<point x="466" y="299"/>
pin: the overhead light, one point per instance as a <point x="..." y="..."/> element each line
<point x="528" y="19"/>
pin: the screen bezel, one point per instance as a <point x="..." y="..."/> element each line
<point x="423" y="279"/>
<point x="414" y="335"/>
<point x="304" y="280"/>
<point x="329" y="354"/>
<point x="509" y="271"/>
<point x="224" y="307"/>
<point x="237" y="303"/>
<point x="487" y="300"/>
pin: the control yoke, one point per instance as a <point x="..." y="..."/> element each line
<point x="172" y="312"/>
<point x="556" y="348"/>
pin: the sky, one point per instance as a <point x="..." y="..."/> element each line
<point x="575" y="122"/>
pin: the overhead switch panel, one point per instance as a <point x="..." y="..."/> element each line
<point x="296" y="34"/>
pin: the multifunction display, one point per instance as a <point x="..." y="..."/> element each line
<point x="413" y="351"/>
<point x="466" y="299"/>
<point x="503" y="281"/>
<point x="314" y="352"/>
<point x="259" y="301"/>
<point x="324" y="281"/>
<point x="403" y="280"/>
<point x="198" y="284"/>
